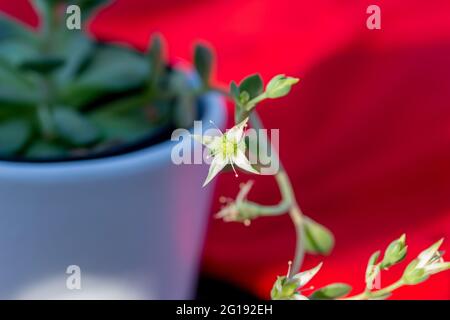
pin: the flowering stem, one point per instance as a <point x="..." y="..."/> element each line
<point x="288" y="202"/>
<point x="288" y="195"/>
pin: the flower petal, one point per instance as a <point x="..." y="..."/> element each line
<point x="237" y="132"/>
<point x="437" y="267"/>
<point x="242" y="162"/>
<point x="217" y="164"/>
<point x="211" y="142"/>
<point x="305" y="276"/>
<point x="426" y="255"/>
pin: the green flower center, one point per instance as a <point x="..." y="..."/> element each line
<point x="229" y="147"/>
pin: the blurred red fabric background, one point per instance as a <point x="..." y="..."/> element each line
<point x="365" y="136"/>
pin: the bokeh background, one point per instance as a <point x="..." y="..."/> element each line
<point x="365" y="136"/>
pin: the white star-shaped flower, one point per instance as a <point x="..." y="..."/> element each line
<point x="431" y="259"/>
<point x="228" y="148"/>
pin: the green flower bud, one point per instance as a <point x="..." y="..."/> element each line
<point x="280" y="86"/>
<point x="284" y="289"/>
<point x="395" y="252"/>
<point x="413" y="274"/>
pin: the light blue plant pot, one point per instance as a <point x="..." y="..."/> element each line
<point x="134" y="224"/>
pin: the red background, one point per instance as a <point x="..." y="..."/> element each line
<point x="365" y="136"/>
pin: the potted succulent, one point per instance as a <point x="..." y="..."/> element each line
<point x="86" y="178"/>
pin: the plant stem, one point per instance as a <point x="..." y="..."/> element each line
<point x="378" y="293"/>
<point x="287" y="192"/>
<point x="297" y="218"/>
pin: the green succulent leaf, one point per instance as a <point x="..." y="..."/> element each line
<point x="203" y="61"/>
<point x="16" y="90"/>
<point x="10" y="28"/>
<point x="156" y="53"/>
<point x="14" y="135"/>
<point x="74" y="128"/>
<point x="157" y="63"/>
<point x="114" y="69"/>
<point x="16" y="51"/>
<point x="41" y="149"/>
<point x="318" y="239"/>
<point x="123" y="120"/>
<point x="331" y="291"/>
<point x="43" y="64"/>
<point x="76" y="49"/>
<point x="253" y="85"/>
<point x="46" y="10"/>
<point x="111" y="70"/>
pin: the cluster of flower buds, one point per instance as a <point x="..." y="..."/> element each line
<point x="238" y="210"/>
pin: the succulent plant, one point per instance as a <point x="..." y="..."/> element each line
<point x="64" y="94"/>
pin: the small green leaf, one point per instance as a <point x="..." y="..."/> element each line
<point x="74" y="128"/>
<point x="203" y="60"/>
<point x="14" y="135"/>
<point x="280" y="86"/>
<point x="253" y="85"/>
<point x="331" y="291"/>
<point x="318" y="239"/>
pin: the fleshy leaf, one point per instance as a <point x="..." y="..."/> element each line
<point x="13" y="136"/>
<point x="74" y="128"/>
<point x="331" y="291"/>
<point x="203" y="60"/>
<point x="318" y="239"/>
